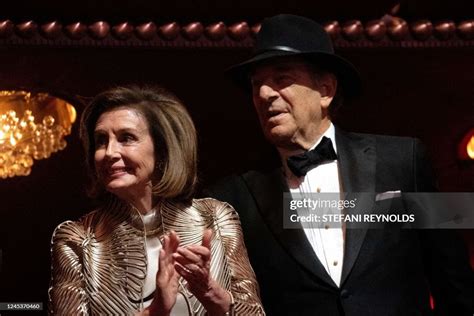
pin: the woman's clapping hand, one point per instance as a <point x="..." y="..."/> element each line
<point x="193" y="263"/>
<point x="166" y="278"/>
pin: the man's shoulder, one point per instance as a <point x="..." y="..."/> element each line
<point x="378" y="140"/>
<point x="378" y="137"/>
<point x="245" y="186"/>
<point x="240" y="180"/>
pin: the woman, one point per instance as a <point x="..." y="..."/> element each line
<point x="150" y="249"/>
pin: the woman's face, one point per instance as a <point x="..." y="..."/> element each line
<point x="124" y="153"/>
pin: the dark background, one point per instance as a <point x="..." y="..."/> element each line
<point x="424" y="92"/>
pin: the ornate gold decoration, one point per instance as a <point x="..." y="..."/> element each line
<point x="32" y="126"/>
<point x="99" y="263"/>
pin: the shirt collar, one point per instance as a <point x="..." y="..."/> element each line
<point x="329" y="133"/>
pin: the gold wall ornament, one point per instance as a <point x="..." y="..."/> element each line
<point x="32" y="127"/>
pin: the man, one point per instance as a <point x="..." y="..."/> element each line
<point x="297" y="82"/>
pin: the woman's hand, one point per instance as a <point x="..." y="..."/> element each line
<point x="166" y="278"/>
<point x="193" y="264"/>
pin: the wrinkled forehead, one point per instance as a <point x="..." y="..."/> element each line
<point x="123" y="116"/>
<point x="280" y="64"/>
<point x="275" y="67"/>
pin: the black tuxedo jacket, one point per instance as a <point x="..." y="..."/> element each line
<point x="388" y="271"/>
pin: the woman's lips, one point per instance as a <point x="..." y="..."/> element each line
<point x="117" y="172"/>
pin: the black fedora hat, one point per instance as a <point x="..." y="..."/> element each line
<point x="291" y="35"/>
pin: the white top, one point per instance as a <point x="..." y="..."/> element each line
<point x="153" y="247"/>
<point x="327" y="242"/>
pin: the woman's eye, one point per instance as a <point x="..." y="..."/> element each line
<point x="125" y="138"/>
<point x="100" y="141"/>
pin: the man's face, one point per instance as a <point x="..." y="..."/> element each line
<point x="289" y="102"/>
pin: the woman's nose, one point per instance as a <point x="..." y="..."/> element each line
<point x="112" y="150"/>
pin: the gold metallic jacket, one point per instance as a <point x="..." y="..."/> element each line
<point x="99" y="263"/>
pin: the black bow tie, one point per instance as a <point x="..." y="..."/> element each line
<point x="301" y="164"/>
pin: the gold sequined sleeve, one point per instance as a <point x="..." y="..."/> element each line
<point x="67" y="294"/>
<point x="244" y="287"/>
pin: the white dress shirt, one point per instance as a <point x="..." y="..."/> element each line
<point x="327" y="242"/>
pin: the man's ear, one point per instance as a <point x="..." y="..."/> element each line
<point x="327" y="88"/>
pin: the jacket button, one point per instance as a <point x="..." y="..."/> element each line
<point x="345" y="294"/>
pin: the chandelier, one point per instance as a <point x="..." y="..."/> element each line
<point x="32" y="127"/>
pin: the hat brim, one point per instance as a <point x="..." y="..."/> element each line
<point x="348" y="77"/>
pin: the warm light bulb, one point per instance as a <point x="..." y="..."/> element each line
<point x="470" y="148"/>
<point x="12" y="140"/>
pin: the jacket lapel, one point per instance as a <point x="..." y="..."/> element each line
<point x="267" y="190"/>
<point x="356" y="162"/>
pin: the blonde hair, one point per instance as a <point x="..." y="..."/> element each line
<point x="170" y="126"/>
